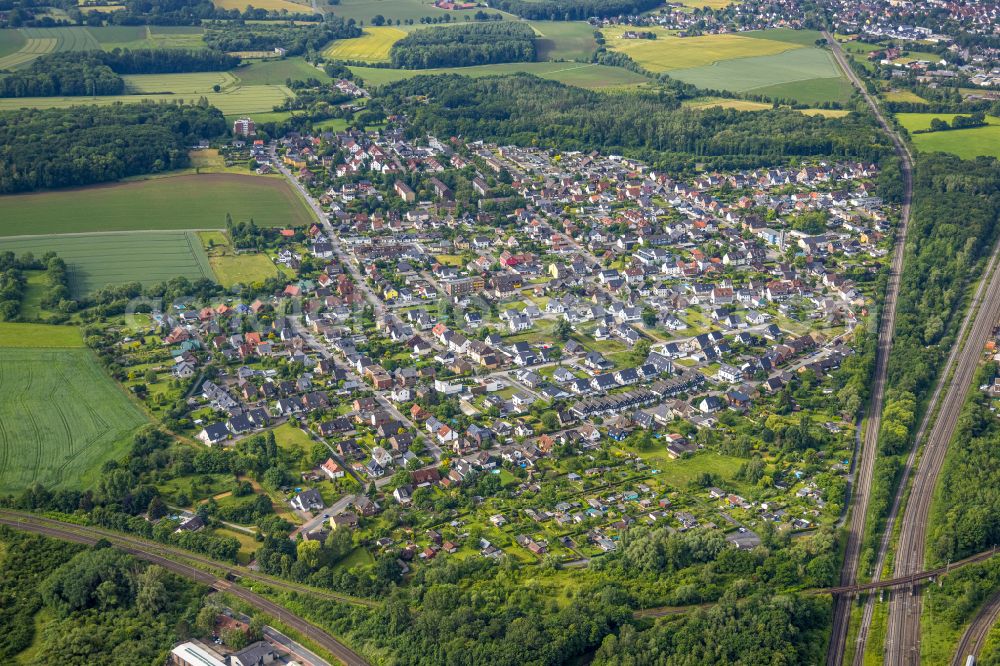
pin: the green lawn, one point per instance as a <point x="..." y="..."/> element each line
<point x="38" y="336"/>
<point x="292" y="438"/>
<point x="61" y="418"/>
<point x="276" y="72"/>
<point x="357" y="557"/>
<point x="176" y="202"/>
<point x="576" y="74"/>
<point x="97" y="260"/>
<point x="564" y="40"/>
<point x="231" y="268"/>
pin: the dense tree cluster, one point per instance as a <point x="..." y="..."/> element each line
<point x="102" y="605"/>
<point x="757" y="630"/>
<point x="63" y="75"/>
<point x="955" y="222"/>
<point x="966" y="512"/>
<point x="573" y="10"/>
<point x="98" y="72"/>
<point x="465" y="45"/>
<point x="295" y="39"/>
<point x="47" y="148"/>
<point x="524" y="109"/>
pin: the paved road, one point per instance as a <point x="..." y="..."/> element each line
<point x="865" y="460"/>
<point x="152" y="552"/>
<point x="929" y="416"/>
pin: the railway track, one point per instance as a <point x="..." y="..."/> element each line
<point x="929" y="415"/>
<point x="903" y="631"/>
<point x="909" y="581"/>
<point x="26" y="521"/>
<point x="974" y="638"/>
<point x="865" y="458"/>
<point x="85" y="535"/>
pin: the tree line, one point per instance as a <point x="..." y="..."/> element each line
<point x="465" y="45"/>
<point x="649" y="125"/>
<point x="579" y="10"/>
<point x="92" y="73"/>
<point x="49" y="148"/>
<point x="295" y="39"/>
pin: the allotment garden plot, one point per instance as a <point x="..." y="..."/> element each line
<point x="61" y="418"/>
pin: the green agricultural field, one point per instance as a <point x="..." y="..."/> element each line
<point x="191" y="83"/>
<point x="372" y="46"/>
<point x="97" y="260"/>
<point x="789" y="35"/>
<point x="589" y="76"/>
<point x="239" y="100"/>
<point x="61" y="419"/>
<point x="39" y="336"/>
<point x="11" y="41"/>
<point x="148" y="37"/>
<point x="811" y="91"/>
<point x="966" y="143"/>
<point x="668" y="53"/>
<point x="564" y="40"/>
<point x="809" y="75"/>
<point x="276" y="72"/>
<point x="34" y="42"/>
<point x="175" y="202"/>
<point x="922" y="121"/>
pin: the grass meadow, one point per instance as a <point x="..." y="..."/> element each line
<point x="372" y="46"/>
<point x="101" y="259"/>
<point x="168" y="203"/>
<point x="276" y="72"/>
<point x="62" y="419"/>
<point x="966" y="143"/>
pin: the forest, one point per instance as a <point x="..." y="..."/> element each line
<point x="649" y="125"/>
<point x="100" y="605"/>
<point x="465" y="45"/>
<point x="953" y="227"/>
<point x="965" y="516"/>
<point x="295" y="39"/>
<point x="579" y="10"/>
<point x="90" y="73"/>
<point x="48" y="148"/>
